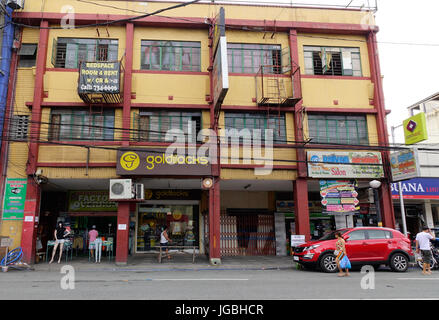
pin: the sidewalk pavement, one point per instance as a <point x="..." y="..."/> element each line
<point x="149" y="262"/>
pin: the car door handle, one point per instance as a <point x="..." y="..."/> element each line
<point x="365" y="243"/>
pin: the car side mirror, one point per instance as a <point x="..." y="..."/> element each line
<point x="346" y="238"/>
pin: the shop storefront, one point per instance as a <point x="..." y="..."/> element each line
<point x="179" y="210"/>
<point x="421" y="203"/>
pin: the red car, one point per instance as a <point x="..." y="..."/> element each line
<point x="364" y="246"/>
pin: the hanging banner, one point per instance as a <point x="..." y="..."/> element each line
<point x="15" y="197"/>
<point x="355" y="165"/>
<point x="339" y="197"/>
<point x="405" y="165"/>
<point x="99" y="77"/>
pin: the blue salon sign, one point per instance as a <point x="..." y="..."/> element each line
<point x="421" y="188"/>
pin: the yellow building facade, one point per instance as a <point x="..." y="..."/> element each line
<point x="310" y="75"/>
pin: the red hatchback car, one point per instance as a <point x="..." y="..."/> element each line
<point x="364" y="246"/>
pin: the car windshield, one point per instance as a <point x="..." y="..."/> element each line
<point x="331" y="236"/>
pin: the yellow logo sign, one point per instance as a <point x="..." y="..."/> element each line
<point x="130" y="161"/>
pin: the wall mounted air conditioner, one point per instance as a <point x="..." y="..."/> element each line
<point x="15" y="4"/>
<point x="139" y="189"/>
<point x="121" y="189"/>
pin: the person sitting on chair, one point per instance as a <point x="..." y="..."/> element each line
<point x="60" y="235"/>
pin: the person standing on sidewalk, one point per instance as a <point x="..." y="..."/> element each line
<point x="340" y="253"/>
<point x="60" y="235"/>
<point x="164" y="240"/>
<point x="92" y="235"/>
<point x="423" y="246"/>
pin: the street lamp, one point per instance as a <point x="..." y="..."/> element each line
<point x="375" y="185"/>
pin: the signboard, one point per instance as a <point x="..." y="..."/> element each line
<point x="90" y="201"/>
<point x="220" y="74"/>
<point x="99" y="77"/>
<point x="405" y="165"/>
<point x="297" y="240"/>
<point x="421" y="188"/>
<point x="327" y="164"/>
<point x="339" y="197"/>
<point x="14" y="199"/>
<point x="170" y="194"/>
<point x="219" y="29"/>
<point x="157" y="162"/>
<point x="415" y="129"/>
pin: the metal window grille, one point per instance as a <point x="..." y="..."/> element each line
<point x="69" y="52"/>
<point x="332" y="61"/>
<point x="20" y="127"/>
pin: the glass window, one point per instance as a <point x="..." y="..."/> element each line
<point x="248" y="58"/>
<point x="338" y="129"/>
<point x="181" y="221"/>
<point x="377" y="234"/>
<point x="28" y="55"/>
<point x="332" y="61"/>
<point x="153" y="125"/>
<point x="256" y="121"/>
<point x="81" y="124"/>
<point x="171" y="55"/>
<point x="69" y="52"/>
<point x="357" y="235"/>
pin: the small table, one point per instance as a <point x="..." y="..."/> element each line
<point x="180" y="248"/>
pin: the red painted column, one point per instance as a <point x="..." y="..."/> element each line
<point x="123" y="209"/>
<point x="214" y="192"/>
<point x="214" y="221"/>
<point x="33" y="194"/>
<point x="301" y="183"/>
<point x="301" y="208"/>
<point x="123" y="230"/>
<point x="386" y="201"/>
<point x="126" y="113"/>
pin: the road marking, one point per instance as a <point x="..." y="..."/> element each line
<point x="198" y="279"/>
<point x="429" y="279"/>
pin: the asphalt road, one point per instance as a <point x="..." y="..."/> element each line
<point x="212" y="284"/>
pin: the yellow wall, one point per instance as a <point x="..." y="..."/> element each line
<point x="12" y="229"/>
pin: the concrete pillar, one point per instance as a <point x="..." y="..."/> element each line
<point x="123" y="230"/>
<point x="428" y="214"/>
<point x="301" y="208"/>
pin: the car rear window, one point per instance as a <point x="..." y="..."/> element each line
<point x="379" y="234"/>
<point x="357" y="235"/>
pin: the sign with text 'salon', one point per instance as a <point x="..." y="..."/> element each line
<point x="415" y="129"/>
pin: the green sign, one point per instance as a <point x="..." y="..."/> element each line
<point x="15" y="197"/>
<point x="90" y="201"/>
<point x="415" y="129"/>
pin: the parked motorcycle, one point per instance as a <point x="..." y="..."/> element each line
<point x="434" y="261"/>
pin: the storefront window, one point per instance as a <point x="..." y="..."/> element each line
<point x="180" y="220"/>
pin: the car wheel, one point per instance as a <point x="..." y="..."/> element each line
<point x="328" y="264"/>
<point x="399" y="262"/>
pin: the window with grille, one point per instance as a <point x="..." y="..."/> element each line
<point x="171" y="55"/>
<point x="257" y="121"/>
<point x="153" y="126"/>
<point x="69" y="52"/>
<point x="340" y="129"/>
<point x="331" y="61"/>
<point x="19" y="127"/>
<point x="81" y="124"/>
<point x="248" y="58"/>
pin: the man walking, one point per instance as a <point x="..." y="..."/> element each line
<point x="423" y="245"/>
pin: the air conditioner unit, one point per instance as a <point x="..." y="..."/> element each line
<point x="15" y="4"/>
<point x="121" y="189"/>
<point x="140" y="191"/>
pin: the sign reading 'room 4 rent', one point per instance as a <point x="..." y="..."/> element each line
<point x="158" y="162"/>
